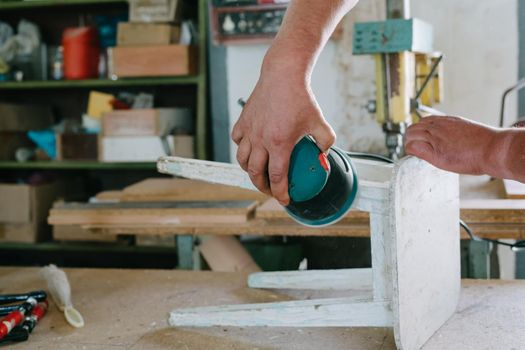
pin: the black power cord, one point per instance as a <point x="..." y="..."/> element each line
<point x="518" y="246"/>
<point x="369" y="156"/>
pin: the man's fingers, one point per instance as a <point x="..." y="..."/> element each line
<point x="324" y="136"/>
<point x="278" y="174"/>
<point x="415" y="133"/>
<point x="258" y="169"/>
<point x="243" y="153"/>
<point x="237" y="133"/>
<point x="420" y="149"/>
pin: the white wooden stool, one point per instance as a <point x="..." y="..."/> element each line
<point x="414" y="283"/>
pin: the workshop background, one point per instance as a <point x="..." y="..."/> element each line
<point x="92" y="92"/>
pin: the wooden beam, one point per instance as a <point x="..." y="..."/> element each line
<point x="340" y="312"/>
<point x="345" y="279"/>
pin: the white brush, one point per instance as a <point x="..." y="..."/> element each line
<point x="60" y="290"/>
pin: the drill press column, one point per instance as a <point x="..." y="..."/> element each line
<point x="395" y="44"/>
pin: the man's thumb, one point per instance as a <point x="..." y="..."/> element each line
<point x="324" y="136"/>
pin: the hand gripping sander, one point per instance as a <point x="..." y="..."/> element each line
<point x="322" y="187"/>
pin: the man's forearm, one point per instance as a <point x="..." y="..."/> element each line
<point x="507" y="156"/>
<point x="306" y="28"/>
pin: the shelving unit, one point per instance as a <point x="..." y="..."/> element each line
<point x="15" y="5"/>
<point x="198" y="81"/>
<point x="77" y="165"/>
<point x="97" y="83"/>
<point x="190" y="91"/>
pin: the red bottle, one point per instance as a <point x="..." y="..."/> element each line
<point x="81" y="52"/>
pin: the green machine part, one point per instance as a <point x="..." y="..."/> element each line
<point x="393" y="36"/>
<point x="308" y="171"/>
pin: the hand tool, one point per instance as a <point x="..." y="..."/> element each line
<point x="16" y="317"/>
<point x="21" y="332"/>
<point x="39" y="295"/>
<point x="322" y="187"/>
<point x="7" y="309"/>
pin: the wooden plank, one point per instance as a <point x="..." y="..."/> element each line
<point x="109" y="196"/>
<point x="183" y="190"/>
<point x="514" y="189"/>
<point x="129" y="213"/>
<point x="260" y="227"/>
<point x="495" y="212"/>
<point x="339" y="312"/>
<point x="155" y="240"/>
<point x="490" y="211"/>
<point x="75" y="233"/>
<point x="226" y="254"/>
<point x="426" y="259"/>
<point x="254" y="227"/>
<point x="344" y="279"/>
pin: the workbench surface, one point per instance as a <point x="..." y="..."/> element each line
<point x="128" y="309"/>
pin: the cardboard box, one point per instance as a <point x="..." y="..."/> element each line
<point x="24" y="210"/>
<point x="147" y="122"/>
<point x="143" y="34"/>
<point x="153" y="61"/>
<point x="155" y="10"/>
<point x="137" y="148"/>
<point x="15" y="117"/>
<point x="77" y="146"/>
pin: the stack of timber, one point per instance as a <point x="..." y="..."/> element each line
<point x="186" y="207"/>
<point x="152" y="203"/>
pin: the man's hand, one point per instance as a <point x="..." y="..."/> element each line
<point x="282" y="108"/>
<point x="276" y="116"/>
<point x="466" y="147"/>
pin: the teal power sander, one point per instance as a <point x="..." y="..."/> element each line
<point x="322" y="187"/>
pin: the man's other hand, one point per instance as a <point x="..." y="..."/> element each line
<point x="458" y="145"/>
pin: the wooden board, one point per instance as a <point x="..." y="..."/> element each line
<point x="182" y="190"/>
<point x="479" y="211"/>
<point x="514" y="189"/>
<point x="74" y="233"/>
<point x="426" y="253"/>
<point x="252" y="227"/>
<point x="109" y="196"/>
<point x="127" y="309"/>
<point x="226" y="254"/>
<point x="150" y="213"/>
<point x="154" y="240"/>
